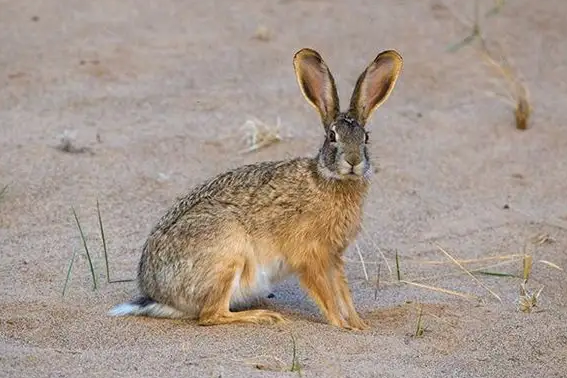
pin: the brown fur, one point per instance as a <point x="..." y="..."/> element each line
<point x="272" y="218"/>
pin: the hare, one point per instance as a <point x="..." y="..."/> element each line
<point x="227" y="241"/>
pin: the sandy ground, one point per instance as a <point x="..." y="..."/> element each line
<point x="157" y="91"/>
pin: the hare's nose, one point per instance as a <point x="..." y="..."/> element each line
<point x="353" y="161"/>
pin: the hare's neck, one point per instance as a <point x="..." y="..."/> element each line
<point x="352" y="189"/>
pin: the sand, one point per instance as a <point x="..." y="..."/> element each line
<point x="154" y="94"/>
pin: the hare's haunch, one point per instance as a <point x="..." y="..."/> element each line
<point x="227" y="241"/>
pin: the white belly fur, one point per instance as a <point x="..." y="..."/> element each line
<point x="266" y="275"/>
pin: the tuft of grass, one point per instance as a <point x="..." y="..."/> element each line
<point x="419" y="329"/>
<point x="103" y="241"/>
<point x="263" y="34"/>
<point x="66" y="144"/>
<point x="517" y="92"/>
<point x="295" y="366"/>
<point x="69" y="271"/>
<point x="85" y="246"/>
<point x="398" y="266"/>
<point x="527" y="300"/>
<point x="469" y="273"/>
<point x="260" y="134"/>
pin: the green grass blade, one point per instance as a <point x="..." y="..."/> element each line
<point x="468" y="39"/>
<point x="295" y="366"/>
<point x="419" y="328"/>
<point x="103" y="242"/>
<point x="496" y="274"/>
<point x="69" y="271"/>
<point x="86" y="247"/>
<point x="496" y="9"/>
<point x="398" y="266"/>
<point x="3" y="190"/>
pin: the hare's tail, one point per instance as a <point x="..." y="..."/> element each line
<point x="145" y="306"/>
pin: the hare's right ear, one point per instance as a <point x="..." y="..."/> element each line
<point x="317" y="84"/>
<point x="375" y="85"/>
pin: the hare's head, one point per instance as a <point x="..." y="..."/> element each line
<point x="344" y="153"/>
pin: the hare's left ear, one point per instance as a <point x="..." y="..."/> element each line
<point x="375" y="85"/>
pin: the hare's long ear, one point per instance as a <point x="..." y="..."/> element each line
<point x="375" y="85"/>
<point x="317" y="84"/>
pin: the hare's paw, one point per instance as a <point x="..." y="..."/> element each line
<point x="357" y="324"/>
<point x="267" y="317"/>
<point x="249" y="316"/>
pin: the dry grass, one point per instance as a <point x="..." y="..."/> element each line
<point x="263" y="34"/>
<point x="378" y="249"/>
<point x="362" y="262"/>
<point x="442" y="290"/>
<point x="259" y="134"/>
<point x="549" y="263"/>
<point x="517" y="94"/>
<point x="67" y="144"/>
<point x="275" y="364"/>
<point x="469" y="273"/>
<point x="527" y="300"/>
<point x="486" y="265"/>
<point x="516" y="91"/>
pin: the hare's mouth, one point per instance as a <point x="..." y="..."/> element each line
<point x="353" y="171"/>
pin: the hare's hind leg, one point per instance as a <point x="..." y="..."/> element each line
<point x="216" y="309"/>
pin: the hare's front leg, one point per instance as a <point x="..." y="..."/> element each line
<point x="315" y="278"/>
<point x="341" y="286"/>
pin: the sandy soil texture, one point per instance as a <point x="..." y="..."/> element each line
<point x="152" y="96"/>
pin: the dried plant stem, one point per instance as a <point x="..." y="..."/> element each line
<point x="469" y="273"/>
<point x="441" y="290"/>
<point x="85" y="247"/>
<point x="362" y="262"/>
<point x="378" y="249"/>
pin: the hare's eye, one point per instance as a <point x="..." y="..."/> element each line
<point x="366" y="137"/>
<point x="332" y="136"/>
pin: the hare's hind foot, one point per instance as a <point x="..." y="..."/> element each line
<point x="216" y="309"/>
<point x="248" y="316"/>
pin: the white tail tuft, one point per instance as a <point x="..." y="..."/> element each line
<point x="145" y="308"/>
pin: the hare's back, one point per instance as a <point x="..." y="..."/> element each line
<point x="243" y="190"/>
